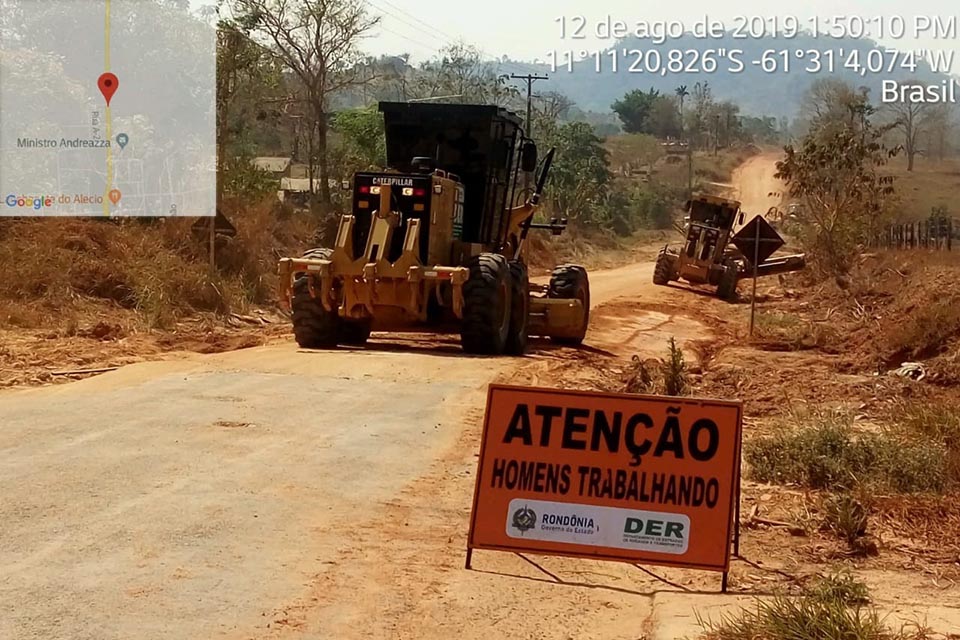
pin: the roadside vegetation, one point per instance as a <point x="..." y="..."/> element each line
<point x="826" y="450"/>
<point x="666" y="376"/>
<point x="836" y="606"/>
<point x="158" y="270"/>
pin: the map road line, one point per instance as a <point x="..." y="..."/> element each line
<point x="106" y="65"/>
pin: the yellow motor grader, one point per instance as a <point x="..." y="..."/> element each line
<point x="437" y="243"/>
<point x="713" y="254"/>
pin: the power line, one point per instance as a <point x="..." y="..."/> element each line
<point x="434" y="31"/>
<point x="431" y="48"/>
<point x="409" y="15"/>
<point x="409" y="24"/>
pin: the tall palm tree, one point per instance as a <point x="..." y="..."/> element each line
<point x="681" y="94"/>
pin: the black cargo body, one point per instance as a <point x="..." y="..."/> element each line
<point x="475" y="142"/>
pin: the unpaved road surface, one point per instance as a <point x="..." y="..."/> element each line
<point x="274" y="492"/>
<point x="756" y="185"/>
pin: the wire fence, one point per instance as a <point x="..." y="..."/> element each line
<point x="939" y="233"/>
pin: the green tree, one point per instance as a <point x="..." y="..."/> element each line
<point x="580" y="175"/>
<point x="634" y="110"/>
<point x="362" y="139"/>
<point x="835" y="175"/>
<point x="761" y="130"/>
<point x="664" y="118"/>
<point x="682" y="94"/>
<point x="247" y="80"/>
<point x="725" y="117"/>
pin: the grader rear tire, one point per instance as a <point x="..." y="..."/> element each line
<point x="663" y="271"/>
<point x="570" y="281"/>
<point x="519" y="309"/>
<point x="313" y="326"/>
<point x="486" y="305"/>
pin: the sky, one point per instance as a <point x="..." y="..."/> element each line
<point x="528" y="30"/>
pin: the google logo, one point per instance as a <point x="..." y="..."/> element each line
<point x="29" y="202"/>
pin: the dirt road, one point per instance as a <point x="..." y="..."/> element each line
<point x="755" y="184"/>
<point x="273" y="491"/>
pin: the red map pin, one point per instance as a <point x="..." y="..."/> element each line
<point x="108" y="84"/>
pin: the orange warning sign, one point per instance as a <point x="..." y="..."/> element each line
<point x="644" y="479"/>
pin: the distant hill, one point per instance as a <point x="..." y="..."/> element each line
<point x="757" y="92"/>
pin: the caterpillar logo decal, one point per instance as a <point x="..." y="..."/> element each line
<point x="639" y="479"/>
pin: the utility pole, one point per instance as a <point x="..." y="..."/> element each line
<point x="716" y="135"/>
<point x="530" y="78"/>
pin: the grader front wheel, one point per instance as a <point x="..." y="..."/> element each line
<point x="570" y="281"/>
<point x="727" y="287"/>
<point x="663" y="272"/>
<point x="313" y="326"/>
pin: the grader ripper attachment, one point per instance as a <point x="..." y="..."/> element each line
<point x="713" y="255"/>
<point x="437" y="244"/>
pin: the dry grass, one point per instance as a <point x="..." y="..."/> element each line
<point x="836" y="607"/>
<point x="931" y="184"/>
<point x="593" y="250"/>
<point x="926" y="330"/>
<point x="157" y="268"/>
<point x="777" y="331"/>
<point x="823" y="450"/>
<point x="720" y="168"/>
<point x="707" y="352"/>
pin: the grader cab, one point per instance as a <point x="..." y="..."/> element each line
<point x="437" y="243"/>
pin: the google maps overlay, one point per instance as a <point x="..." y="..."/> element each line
<point x="107" y="108"/>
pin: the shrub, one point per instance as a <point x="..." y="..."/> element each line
<point x="821" y="450"/>
<point x="846" y="517"/>
<point x="674" y="371"/>
<point x="925" y="331"/>
<point x="840" y="586"/>
<point x="833" y="608"/>
<point x="935" y="422"/>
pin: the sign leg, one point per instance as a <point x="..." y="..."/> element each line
<point x="724" y="582"/>
<point x="469" y="558"/>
